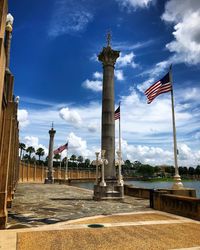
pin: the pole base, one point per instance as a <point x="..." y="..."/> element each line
<point x="49" y="181"/>
<point x="112" y="191"/>
<point x="177" y="182"/>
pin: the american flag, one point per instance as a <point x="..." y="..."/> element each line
<point x="117" y="113"/>
<point x="162" y="86"/>
<point x="60" y="149"/>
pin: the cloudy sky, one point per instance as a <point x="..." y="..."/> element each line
<point x="58" y="77"/>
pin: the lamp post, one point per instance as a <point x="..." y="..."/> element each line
<point x="120" y="162"/>
<point x="104" y="162"/>
<point x="97" y="166"/>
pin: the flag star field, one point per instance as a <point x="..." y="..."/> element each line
<point x="58" y="77"/>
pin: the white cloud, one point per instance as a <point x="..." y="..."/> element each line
<point x="126" y="60"/>
<point x="93" y="127"/>
<point x="146" y="154"/>
<point x="159" y="156"/>
<point x="94" y="85"/>
<point x="191" y="94"/>
<point x="70" y="116"/>
<point x="127" y="46"/>
<point x="34" y="142"/>
<point x="23" y="118"/>
<point x="98" y="75"/>
<point x="134" y="4"/>
<point x="119" y="75"/>
<point x="69" y="17"/>
<point x="185" y="15"/>
<point x="78" y="146"/>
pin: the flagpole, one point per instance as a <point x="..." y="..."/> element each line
<point x="66" y="165"/>
<point x="120" y="127"/>
<point x="60" y="166"/>
<point x="120" y="181"/>
<point x="177" y="179"/>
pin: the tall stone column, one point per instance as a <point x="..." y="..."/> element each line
<point x="50" y="175"/>
<point x="108" y="187"/>
<point x="108" y="57"/>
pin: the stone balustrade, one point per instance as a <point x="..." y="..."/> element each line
<point x="180" y="205"/>
<point x="38" y="173"/>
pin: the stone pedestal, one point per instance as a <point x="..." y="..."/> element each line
<point x="111" y="191"/>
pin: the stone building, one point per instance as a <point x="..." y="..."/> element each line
<point x="9" y="133"/>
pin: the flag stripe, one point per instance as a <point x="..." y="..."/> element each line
<point x="159" y="87"/>
<point x="61" y="148"/>
<point x="117" y="113"/>
<point x="152" y="87"/>
<point x="164" y="88"/>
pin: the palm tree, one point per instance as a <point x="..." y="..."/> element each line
<point x="22" y="147"/>
<point x="40" y="152"/>
<point x="30" y="150"/>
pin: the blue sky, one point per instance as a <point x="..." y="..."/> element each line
<point x="58" y="77"/>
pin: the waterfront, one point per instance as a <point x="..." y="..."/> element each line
<point x="146" y="184"/>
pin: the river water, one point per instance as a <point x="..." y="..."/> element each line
<point x="146" y="184"/>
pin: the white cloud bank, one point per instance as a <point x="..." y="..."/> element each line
<point x="185" y="15"/>
<point x="146" y="129"/>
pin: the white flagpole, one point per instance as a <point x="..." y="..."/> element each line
<point x="120" y="181"/>
<point x="177" y="179"/>
<point x="66" y="165"/>
<point x="120" y="127"/>
<point x="60" y="166"/>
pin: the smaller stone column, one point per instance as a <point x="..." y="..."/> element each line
<point x="50" y="177"/>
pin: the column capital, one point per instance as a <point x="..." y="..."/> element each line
<point x="52" y="132"/>
<point x="108" y="56"/>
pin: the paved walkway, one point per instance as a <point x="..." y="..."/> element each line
<point x="112" y="225"/>
<point x="39" y="204"/>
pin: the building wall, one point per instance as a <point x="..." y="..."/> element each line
<point x="9" y="132"/>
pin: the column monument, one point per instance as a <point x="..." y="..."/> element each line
<point x="50" y="176"/>
<point x="110" y="189"/>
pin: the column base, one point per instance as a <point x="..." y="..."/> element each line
<point x="49" y="181"/>
<point x="112" y="190"/>
<point x="9" y="203"/>
<point x="3" y="222"/>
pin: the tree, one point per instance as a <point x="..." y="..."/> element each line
<point x="80" y="159"/>
<point x="191" y="171"/>
<point x="127" y="164"/>
<point x="30" y="150"/>
<point x="73" y="158"/>
<point x="40" y="152"/>
<point x="25" y="157"/>
<point x="87" y="162"/>
<point x="22" y="148"/>
<point x="57" y="157"/>
<point x="146" y="170"/>
<point x="197" y="170"/>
